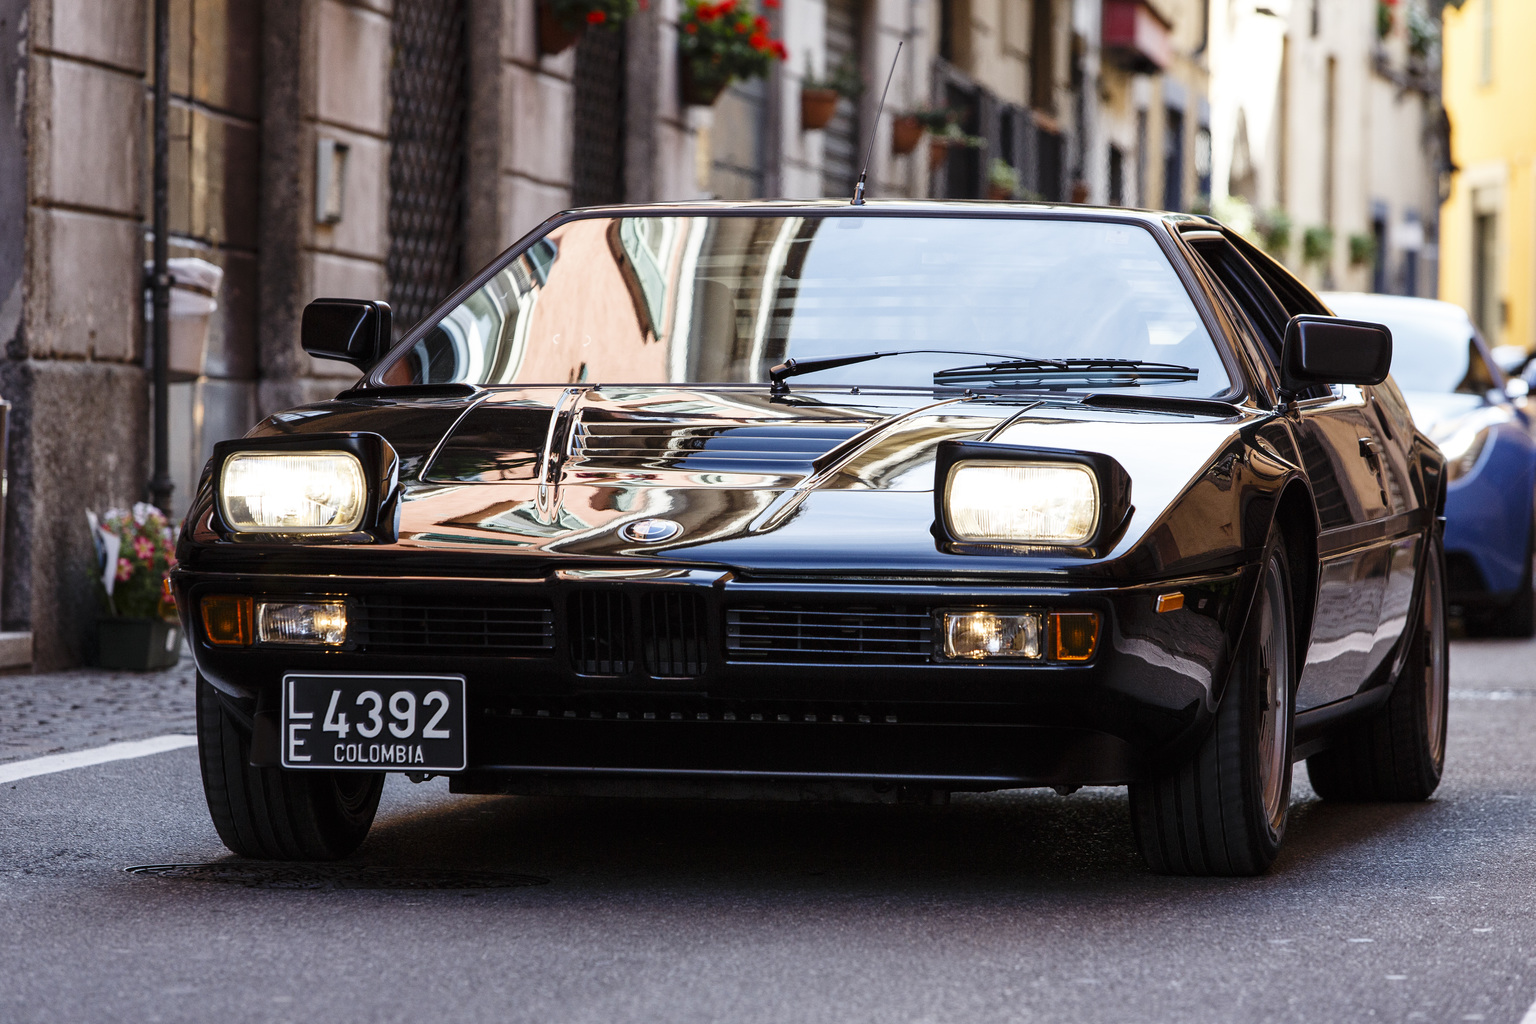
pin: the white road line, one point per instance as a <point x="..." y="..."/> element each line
<point x="97" y="755"/>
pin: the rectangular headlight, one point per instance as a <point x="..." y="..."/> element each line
<point x="1030" y="503"/>
<point x="292" y="492"/>
<point x="301" y="622"/>
<point x="984" y="634"/>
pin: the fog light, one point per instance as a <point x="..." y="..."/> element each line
<point x="1076" y="635"/>
<point x="991" y="635"/>
<point x="227" y="620"/>
<point x="302" y="622"/>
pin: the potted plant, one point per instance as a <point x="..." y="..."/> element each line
<point x="952" y="137"/>
<point x="1274" y="230"/>
<point x="907" y="129"/>
<point x="1362" y="250"/>
<point x="137" y="628"/>
<point x="1002" y="179"/>
<point x="718" y="43"/>
<point x="1385" y="17"/>
<point x="1317" y="244"/>
<point x="561" y="22"/>
<point x="819" y="96"/>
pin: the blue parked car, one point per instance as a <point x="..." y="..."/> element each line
<point x="1479" y="417"/>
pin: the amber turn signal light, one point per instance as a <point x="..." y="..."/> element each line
<point x="1076" y="635"/>
<point x="229" y="620"/>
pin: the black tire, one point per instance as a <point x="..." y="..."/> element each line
<point x="270" y="813"/>
<point x="1518" y="617"/>
<point x="1224" y="811"/>
<point x="1399" y="753"/>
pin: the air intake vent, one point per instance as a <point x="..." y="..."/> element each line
<point x="674" y="634"/>
<point x="489" y="627"/>
<point x="829" y="636"/>
<point x="601" y="629"/>
<point x="775" y="449"/>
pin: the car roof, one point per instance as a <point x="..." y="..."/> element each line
<point x="1395" y="305"/>
<point x="965" y="207"/>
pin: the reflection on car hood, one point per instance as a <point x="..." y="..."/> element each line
<point x="833" y="478"/>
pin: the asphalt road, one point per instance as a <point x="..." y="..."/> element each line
<point x="1013" y="907"/>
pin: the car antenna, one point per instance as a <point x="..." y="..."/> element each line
<point x="858" y="188"/>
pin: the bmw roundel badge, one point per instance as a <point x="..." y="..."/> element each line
<point x="650" y="531"/>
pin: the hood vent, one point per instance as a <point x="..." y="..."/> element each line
<point x="773" y="449"/>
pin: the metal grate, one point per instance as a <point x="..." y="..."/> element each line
<point x="488" y="627"/>
<point x="426" y="156"/>
<point x="779" y="448"/>
<point x="840" y="636"/>
<point x="597" y="151"/>
<point x="674" y="634"/>
<point x="601" y="630"/>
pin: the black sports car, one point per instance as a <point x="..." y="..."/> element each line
<point x="822" y="501"/>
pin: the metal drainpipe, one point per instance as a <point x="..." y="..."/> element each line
<point x="160" y="484"/>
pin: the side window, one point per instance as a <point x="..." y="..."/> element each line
<point x="1250" y="292"/>
<point x="1480" y="377"/>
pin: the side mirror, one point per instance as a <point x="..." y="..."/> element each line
<point x="355" y="331"/>
<point x="1328" y="350"/>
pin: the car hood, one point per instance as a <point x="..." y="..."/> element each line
<point x="821" y="480"/>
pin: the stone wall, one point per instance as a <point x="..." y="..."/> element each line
<point x="72" y="367"/>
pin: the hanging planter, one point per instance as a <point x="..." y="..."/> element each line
<point x="719" y="43"/>
<point x="906" y="133"/>
<point x="819" y="96"/>
<point x="817" y="108"/>
<point x="561" y="22"/>
<point x="938" y="152"/>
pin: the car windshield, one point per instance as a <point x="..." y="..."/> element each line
<point x="1432" y="346"/>
<point x="723" y="298"/>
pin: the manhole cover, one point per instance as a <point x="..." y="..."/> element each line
<point x="262" y="875"/>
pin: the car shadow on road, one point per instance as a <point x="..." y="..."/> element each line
<point x="1020" y="841"/>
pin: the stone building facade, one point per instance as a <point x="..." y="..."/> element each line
<point x="1327" y="116"/>
<point x="386" y="148"/>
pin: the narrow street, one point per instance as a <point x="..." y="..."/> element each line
<point x="1017" y="906"/>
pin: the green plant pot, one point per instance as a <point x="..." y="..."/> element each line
<point x="138" y="645"/>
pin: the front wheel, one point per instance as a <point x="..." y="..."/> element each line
<point x="1223" y="812"/>
<point x="273" y="813"/>
<point x="1399" y="754"/>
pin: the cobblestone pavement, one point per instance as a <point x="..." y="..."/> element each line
<point x="48" y="713"/>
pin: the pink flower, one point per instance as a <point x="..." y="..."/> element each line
<point x="124" y="570"/>
<point x="144" y="548"/>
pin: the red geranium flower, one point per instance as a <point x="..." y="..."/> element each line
<point x="758" y="41"/>
<point x="779" y="50"/>
<point x="596" y="17"/>
<point x="691" y="29"/>
<point x="770" y="4"/>
<point x="760" y="23"/>
<point x="742" y="28"/>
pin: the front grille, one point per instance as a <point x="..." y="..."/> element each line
<point x="488" y="627"/>
<point x="601" y="628"/>
<point x="627" y="446"/>
<point x="843" y="636"/>
<point x="674" y="634"/>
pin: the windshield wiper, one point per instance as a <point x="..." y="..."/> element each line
<point x="1063" y="373"/>
<point x="795" y="367"/>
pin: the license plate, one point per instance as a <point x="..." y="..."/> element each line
<point x="393" y="723"/>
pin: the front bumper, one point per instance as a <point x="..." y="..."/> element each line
<point x="694" y="674"/>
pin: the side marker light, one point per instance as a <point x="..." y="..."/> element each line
<point x="1170" y="602"/>
<point x="1075" y="635"/>
<point x="228" y="620"/>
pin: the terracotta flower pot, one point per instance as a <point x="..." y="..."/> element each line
<point x="998" y="193"/>
<point x="906" y="133"/>
<point x="938" y="152"/>
<point x="697" y="93"/>
<point x="817" y="107"/>
<point x="554" y="36"/>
